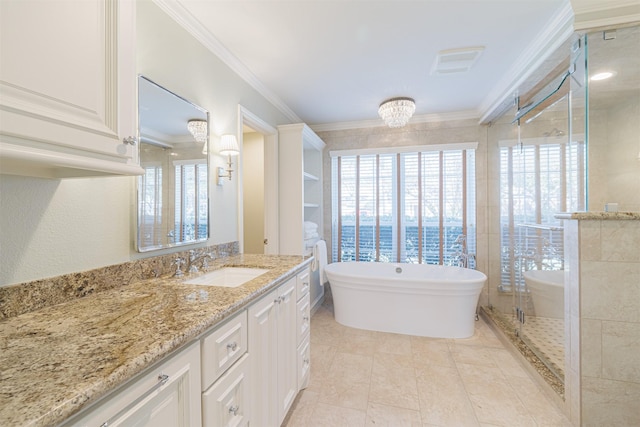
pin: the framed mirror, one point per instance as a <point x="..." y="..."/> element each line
<point x="173" y="193"/>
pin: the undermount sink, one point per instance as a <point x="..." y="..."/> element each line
<point x="230" y="277"/>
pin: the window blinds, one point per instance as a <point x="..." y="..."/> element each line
<point x="404" y="206"/>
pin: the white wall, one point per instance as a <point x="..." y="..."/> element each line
<point x="50" y="227"/>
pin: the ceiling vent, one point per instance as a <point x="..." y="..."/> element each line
<point x="456" y="61"/>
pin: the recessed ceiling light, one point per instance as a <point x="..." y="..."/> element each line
<point x="602" y="76"/>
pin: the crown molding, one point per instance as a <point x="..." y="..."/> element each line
<point x="558" y="30"/>
<point x="186" y="20"/>
<point x="590" y="14"/>
<point x="422" y="118"/>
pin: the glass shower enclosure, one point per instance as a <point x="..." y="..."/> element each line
<point x="574" y="146"/>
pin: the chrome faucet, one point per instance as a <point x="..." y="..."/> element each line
<point x="462" y="257"/>
<point x="179" y="262"/>
<point x="195" y="256"/>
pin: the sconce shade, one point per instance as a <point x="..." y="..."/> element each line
<point x="229" y="145"/>
<point x="198" y="129"/>
<point x="396" y="112"/>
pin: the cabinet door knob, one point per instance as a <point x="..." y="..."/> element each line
<point x="232" y="346"/>
<point x="234" y="410"/>
<point x="131" y="140"/>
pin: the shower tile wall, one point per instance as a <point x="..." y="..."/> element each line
<point x="602" y="384"/>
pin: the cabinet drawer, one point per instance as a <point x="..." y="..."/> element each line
<point x="304" y="363"/>
<point x="303" y="321"/>
<point x="226" y="403"/>
<point x="167" y="395"/>
<point x="222" y="347"/>
<point x="303" y="281"/>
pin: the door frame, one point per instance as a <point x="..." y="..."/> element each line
<point x="270" y="135"/>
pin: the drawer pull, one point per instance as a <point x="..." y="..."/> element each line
<point x="162" y="380"/>
<point x="306" y="362"/>
<point x="130" y="140"/>
<point x="233" y="346"/>
<point x="277" y="300"/>
<point x="305" y="318"/>
<point x="234" y="410"/>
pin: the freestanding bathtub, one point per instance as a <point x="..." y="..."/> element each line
<point x="547" y="292"/>
<point x="414" y="299"/>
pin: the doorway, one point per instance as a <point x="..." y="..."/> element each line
<point x="258" y="208"/>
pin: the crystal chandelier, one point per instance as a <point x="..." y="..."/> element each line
<point x="396" y="112"/>
<point x="198" y="129"/>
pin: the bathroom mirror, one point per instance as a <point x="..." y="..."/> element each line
<point x="173" y="193"/>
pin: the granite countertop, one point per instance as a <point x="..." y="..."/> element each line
<point x="600" y="215"/>
<point x="56" y="360"/>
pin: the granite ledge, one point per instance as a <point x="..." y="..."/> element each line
<point x="598" y="216"/>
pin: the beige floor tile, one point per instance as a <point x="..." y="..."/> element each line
<point x="473" y="355"/>
<point x="345" y="394"/>
<point x="335" y="416"/>
<point x="301" y="413"/>
<point x="393" y="343"/>
<point x="544" y="412"/>
<point x="363" y="377"/>
<point x="322" y="356"/>
<point x="495" y="402"/>
<point x="327" y="335"/>
<point x="428" y="350"/>
<point x="393" y="381"/>
<point x="507" y="363"/>
<point x="443" y="399"/>
<point x="476" y="376"/>
<point x="356" y="343"/>
<point x="389" y="416"/>
<point x="351" y="368"/>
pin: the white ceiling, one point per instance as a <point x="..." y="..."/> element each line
<point x="335" y="61"/>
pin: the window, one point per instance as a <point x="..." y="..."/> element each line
<point x="405" y="205"/>
<point x="537" y="180"/>
<point x="190" y="199"/>
<point x="150" y="209"/>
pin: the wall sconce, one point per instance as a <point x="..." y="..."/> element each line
<point x="228" y="147"/>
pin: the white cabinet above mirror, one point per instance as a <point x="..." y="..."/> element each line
<point x="67" y="89"/>
<point x="173" y="192"/>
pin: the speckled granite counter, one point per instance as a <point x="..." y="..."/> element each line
<point x="56" y="360"/>
<point x="600" y="215"/>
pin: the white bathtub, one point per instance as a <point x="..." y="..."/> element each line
<point x="414" y="299"/>
<point x="547" y="292"/>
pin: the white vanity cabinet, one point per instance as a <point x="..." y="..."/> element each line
<point x="303" y="324"/>
<point x="272" y="345"/>
<point x="225" y="375"/>
<point x="68" y="88"/>
<point x="167" y="395"/>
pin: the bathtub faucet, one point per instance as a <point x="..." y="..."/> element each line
<point x="462" y="258"/>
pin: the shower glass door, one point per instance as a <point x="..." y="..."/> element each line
<point x="542" y="174"/>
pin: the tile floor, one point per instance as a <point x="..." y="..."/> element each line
<point x="365" y="378"/>
<point x="546" y="335"/>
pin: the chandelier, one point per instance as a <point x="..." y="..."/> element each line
<point x="396" y="112"/>
<point x="198" y="129"/>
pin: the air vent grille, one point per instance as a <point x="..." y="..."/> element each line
<point x="456" y="61"/>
